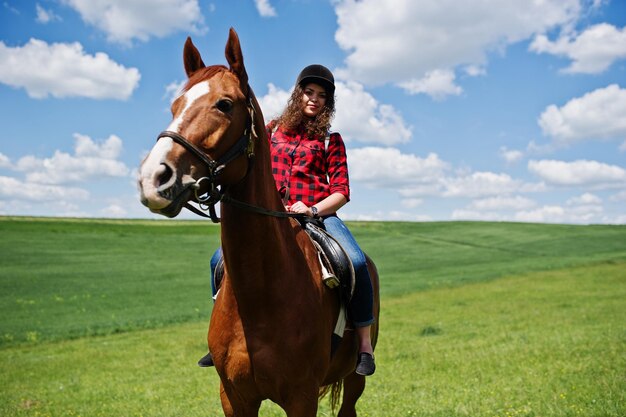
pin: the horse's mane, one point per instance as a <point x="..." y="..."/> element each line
<point x="203" y="74"/>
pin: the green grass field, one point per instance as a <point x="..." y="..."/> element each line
<point x="107" y="318"/>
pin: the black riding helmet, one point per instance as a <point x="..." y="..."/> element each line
<point x="318" y="74"/>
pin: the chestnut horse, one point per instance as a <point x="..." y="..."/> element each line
<point x="271" y="325"/>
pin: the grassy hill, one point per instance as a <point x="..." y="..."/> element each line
<point x="67" y="278"/>
<point x="478" y="319"/>
<point x="417" y="256"/>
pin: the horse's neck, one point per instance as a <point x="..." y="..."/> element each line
<point x="258" y="249"/>
<point x="257" y="189"/>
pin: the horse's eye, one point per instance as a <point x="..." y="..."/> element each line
<point x="224" y="105"/>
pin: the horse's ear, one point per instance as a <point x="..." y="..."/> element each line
<point x="192" y="58"/>
<point x="234" y="56"/>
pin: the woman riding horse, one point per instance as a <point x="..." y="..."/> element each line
<point x="272" y="324"/>
<point x="312" y="179"/>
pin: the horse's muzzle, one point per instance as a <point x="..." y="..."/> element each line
<point x="162" y="190"/>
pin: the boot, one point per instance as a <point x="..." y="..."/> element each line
<point x="366" y="365"/>
<point x="206" y="361"/>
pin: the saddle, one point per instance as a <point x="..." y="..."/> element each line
<point x="337" y="269"/>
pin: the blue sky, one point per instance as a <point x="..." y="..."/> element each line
<point x="494" y="110"/>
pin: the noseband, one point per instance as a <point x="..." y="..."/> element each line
<point x="243" y="146"/>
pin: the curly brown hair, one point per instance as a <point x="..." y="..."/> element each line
<point x="293" y="117"/>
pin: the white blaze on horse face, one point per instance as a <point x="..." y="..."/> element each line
<point x="153" y="166"/>
<point x="193" y="94"/>
<point x="153" y="163"/>
<point x="151" y="170"/>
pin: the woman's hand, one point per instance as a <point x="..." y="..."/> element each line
<point x="326" y="207"/>
<point x="300" y="207"/>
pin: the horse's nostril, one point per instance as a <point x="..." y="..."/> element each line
<point x="165" y="175"/>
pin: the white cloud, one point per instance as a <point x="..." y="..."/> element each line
<point x="437" y="83"/>
<point x="502" y="203"/>
<point x="411" y="202"/>
<point x="114" y="210"/>
<point x="578" y="173"/>
<point x="64" y="70"/>
<point x="10" y="8"/>
<point x="622" y="147"/>
<point x="360" y="117"/>
<point x="545" y="214"/>
<point x="45" y="16"/>
<point x="400" y="41"/>
<point x="386" y="167"/>
<point x="586" y="208"/>
<point x="559" y="214"/>
<point x="591" y="52"/>
<point x="414" y="178"/>
<point x="534" y="148"/>
<point x="173" y="90"/>
<point x="274" y="102"/>
<point x="391" y="215"/>
<point x="620" y="196"/>
<point x="264" y="8"/>
<point x="510" y="155"/>
<point x="90" y="160"/>
<point x="600" y="114"/>
<point x="124" y="20"/>
<point x="584" y="199"/>
<point x="464" y="214"/>
<point x="35" y="207"/>
<point x="483" y="184"/>
<point x="618" y="219"/>
<point x="5" y="162"/>
<point x="475" y="70"/>
<point x="109" y="149"/>
<point x="49" y="180"/>
<point x="12" y="188"/>
<point x="513" y="209"/>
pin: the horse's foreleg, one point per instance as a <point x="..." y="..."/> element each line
<point x="301" y="410"/>
<point x="228" y="409"/>
<point x="302" y="406"/>
<point x="234" y="407"/>
<point x="353" y="386"/>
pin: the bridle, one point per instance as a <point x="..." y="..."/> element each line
<point x="207" y="200"/>
<point x="243" y="146"/>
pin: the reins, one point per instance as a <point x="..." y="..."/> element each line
<point x="242" y="205"/>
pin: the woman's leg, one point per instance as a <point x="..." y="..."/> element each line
<point x="215" y="259"/>
<point x="207" y="360"/>
<point x="363" y="298"/>
<point x="361" y="306"/>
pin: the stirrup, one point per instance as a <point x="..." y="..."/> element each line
<point x="328" y="278"/>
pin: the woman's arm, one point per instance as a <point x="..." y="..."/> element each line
<point x="327" y="206"/>
<point x="330" y="204"/>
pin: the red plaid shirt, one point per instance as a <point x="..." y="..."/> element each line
<point x="306" y="170"/>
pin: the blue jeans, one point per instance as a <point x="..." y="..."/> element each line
<point x="362" y="304"/>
